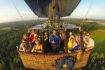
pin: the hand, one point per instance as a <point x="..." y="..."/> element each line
<point x="53" y="41"/>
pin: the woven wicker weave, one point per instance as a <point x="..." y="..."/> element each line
<point x="47" y="61"/>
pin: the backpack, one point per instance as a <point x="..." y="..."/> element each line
<point x="66" y="61"/>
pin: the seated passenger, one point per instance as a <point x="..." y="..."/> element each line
<point x="33" y="36"/>
<point x="77" y="44"/>
<point x="26" y="38"/>
<point x="37" y="47"/>
<point x="54" y="40"/>
<point x="23" y="46"/>
<point x="89" y="43"/>
<point x="72" y="44"/>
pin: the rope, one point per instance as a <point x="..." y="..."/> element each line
<point x="18" y="13"/>
<point x="84" y="19"/>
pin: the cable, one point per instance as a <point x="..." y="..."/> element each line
<point x="18" y="13"/>
<point x="84" y="19"/>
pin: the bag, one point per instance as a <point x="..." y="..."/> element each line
<point x="68" y="61"/>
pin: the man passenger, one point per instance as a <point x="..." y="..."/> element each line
<point x="33" y="37"/>
<point x="89" y="42"/>
<point x="54" y="40"/>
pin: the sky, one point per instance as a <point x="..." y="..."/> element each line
<point x="17" y="10"/>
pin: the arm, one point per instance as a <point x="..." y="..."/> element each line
<point x="51" y="39"/>
<point x="89" y="48"/>
<point x="21" y="47"/>
<point x="33" y="49"/>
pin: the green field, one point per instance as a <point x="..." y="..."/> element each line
<point x="99" y="37"/>
<point x="6" y="28"/>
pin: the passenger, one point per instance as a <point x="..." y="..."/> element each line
<point x="33" y="37"/>
<point x="71" y="41"/>
<point x="54" y="40"/>
<point x="47" y="46"/>
<point x="23" y="46"/>
<point x="89" y="43"/>
<point x="62" y="37"/>
<point x="37" y="47"/>
<point x="72" y="44"/>
<point x="25" y="37"/>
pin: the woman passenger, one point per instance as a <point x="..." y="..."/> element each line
<point x="37" y="48"/>
<point x="62" y="37"/>
<point x="47" y="46"/>
<point x="72" y="43"/>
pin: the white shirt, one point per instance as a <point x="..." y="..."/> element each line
<point x="90" y="43"/>
<point x="84" y="38"/>
<point x="22" y="47"/>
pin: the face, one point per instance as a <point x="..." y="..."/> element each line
<point x="54" y="32"/>
<point x="45" y="33"/>
<point x="88" y="35"/>
<point x="70" y="33"/>
<point x="23" y="42"/>
<point x="37" y="42"/>
<point x="25" y="36"/>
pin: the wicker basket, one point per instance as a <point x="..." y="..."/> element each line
<point x="47" y="61"/>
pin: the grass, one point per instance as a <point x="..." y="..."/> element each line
<point x="5" y="28"/>
<point x="99" y="37"/>
<point x="97" y="58"/>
